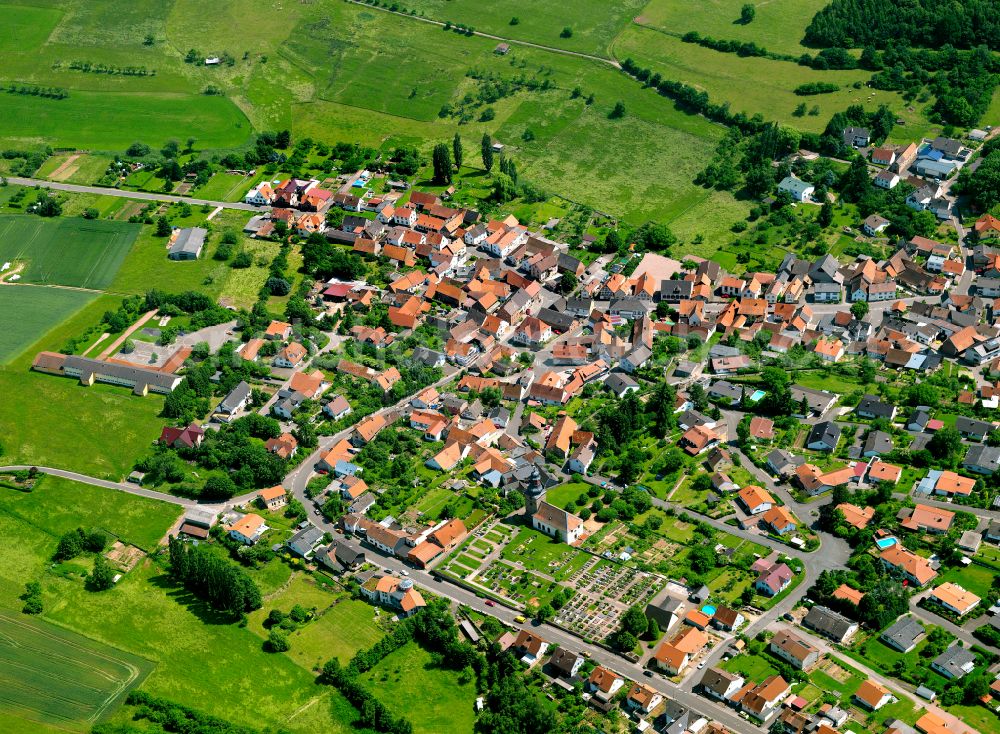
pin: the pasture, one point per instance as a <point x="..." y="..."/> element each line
<point x="26" y="312"/>
<point x="779" y="24"/>
<point x="66" y="251"/>
<point x="753" y="85"/>
<point x="594" y="23"/>
<point x="52" y="676"/>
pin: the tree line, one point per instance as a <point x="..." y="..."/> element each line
<point x="224" y="585"/>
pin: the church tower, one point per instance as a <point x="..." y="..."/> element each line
<point x="534" y="493"/>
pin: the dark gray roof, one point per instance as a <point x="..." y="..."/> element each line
<point x="987" y="457"/>
<point x="305" y="540"/>
<point x="878" y="442"/>
<point x="825" y="432"/>
<point x="726" y="389"/>
<point x="189" y="241"/>
<point x="828" y="622"/>
<point x="954" y="660"/>
<point x="971" y="425"/>
<point x="873" y="405"/>
<point x="136" y="375"/>
<point x="236" y="397"/>
<point x="563" y="660"/>
<point x="903" y="632"/>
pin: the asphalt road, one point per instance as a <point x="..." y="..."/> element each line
<point x="140" y="195"/>
<point x="119" y="486"/>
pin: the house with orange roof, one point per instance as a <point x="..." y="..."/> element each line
<point x="829" y="350"/>
<point x="273" y="497"/>
<point x="284" y="445"/>
<point x="406" y="315"/>
<point x="755" y="500"/>
<point x="671" y="660"/>
<point x="603" y="684"/>
<point x="278" y="330"/>
<point x="915" y="569"/>
<point x="846" y="593"/>
<point x="368" y="429"/>
<point x="448" y="457"/>
<point x="986" y="227"/>
<point x="857" y="517"/>
<point x="247" y="529"/>
<point x="389" y="591"/>
<point x="291" y="356"/>
<point x="560" y="440"/>
<point x="310" y="384"/>
<point x="643" y="698"/>
<point x="780" y="520"/>
<point x="955" y="598"/>
<point x="250" y="349"/>
<point x="872" y="695"/>
<point x="699" y="439"/>
<point x="879" y="471"/>
<point x="927" y="519"/>
<point x="762" y="701"/>
<point x="309" y="223"/>
<point x="386" y="379"/>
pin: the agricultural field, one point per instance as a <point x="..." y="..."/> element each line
<point x="74" y="167"/>
<point x="82" y="680"/>
<point x="111" y="120"/>
<point x="27" y="311"/>
<point x="432" y="698"/>
<point x="66" y="251"/>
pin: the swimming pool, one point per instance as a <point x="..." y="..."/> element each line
<point x="884" y="543"/>
<point x="709" y="610"/>
<point x="757" y="395"/>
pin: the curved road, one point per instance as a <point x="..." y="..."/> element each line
<point x="140" y="195"/>
<point x="120" y="486"/>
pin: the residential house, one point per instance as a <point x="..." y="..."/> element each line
<point x="904" y="634"/>
<point x="398" y="594"/>
<point x="955" y="662"/>
<point x="915" y="569"/>
<point x="604" y="684"/>
<point x="762" y="701"/>
<point x="830" y="624"/>
<point x="955" y="598"/>
<point x="755" y="500"/>
<point x="273" y="498"/>
<point x="798" y="189"/>
<point x="872" y="695"/>
<point x="794" y="650"/>
<point x="247" y="529"/>
<point x="824" y="436"/>
<point x="720" y="685"/>
<point x="642" y="698"/>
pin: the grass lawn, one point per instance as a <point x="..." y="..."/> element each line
<point x="568" y="492"/>
<point x="342" y="625"/>
<point x="224" y="187"/>
<point x="538" y="552"/>
<point x="66" y="251"/>
<point x="431" y="698"/>
<point x="29" y="311"/>
<point x="751" y="667"/>
<point x="157" y="621"/>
